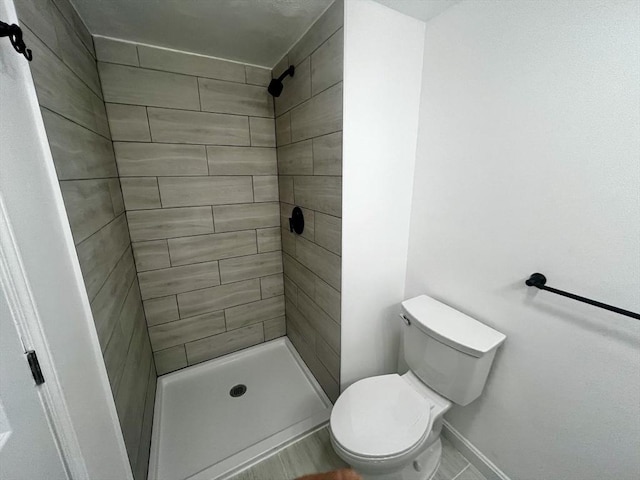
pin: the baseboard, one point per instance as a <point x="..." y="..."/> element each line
<point x="475" y="456"/>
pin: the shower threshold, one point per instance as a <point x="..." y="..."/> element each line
<point x="216" y="418"/>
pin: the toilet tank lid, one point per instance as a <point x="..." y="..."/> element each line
<point x="452" y="327"/>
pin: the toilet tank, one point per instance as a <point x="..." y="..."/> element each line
<point x="449" y="351"/>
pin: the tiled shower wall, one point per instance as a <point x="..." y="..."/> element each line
<point x="68" y="89"/>
<point x="194" y="141"/>
<point x="309" y="139"/>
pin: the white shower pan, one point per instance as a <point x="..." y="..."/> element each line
<point x="202" y="432"/>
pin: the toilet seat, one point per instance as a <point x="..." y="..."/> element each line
<point x="380" y="417"/>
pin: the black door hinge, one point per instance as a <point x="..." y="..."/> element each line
<point x="34" y="365"/>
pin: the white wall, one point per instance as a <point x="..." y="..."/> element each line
<point x="382" y="70"/>
<point x="529" y="160"/>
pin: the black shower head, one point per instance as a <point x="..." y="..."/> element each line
<point x="275" y="86"/>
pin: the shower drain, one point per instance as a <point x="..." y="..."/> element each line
<point x="238" y="390"/>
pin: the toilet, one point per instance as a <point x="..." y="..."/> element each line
<point x="388" y="427"/>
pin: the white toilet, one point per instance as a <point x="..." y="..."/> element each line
<point x="388" y="427"/>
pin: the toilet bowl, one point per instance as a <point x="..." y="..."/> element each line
<point x="388" y="427"/>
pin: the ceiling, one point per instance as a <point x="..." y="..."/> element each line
<point x="259" y="32"/>
<point x="421" y="9"/>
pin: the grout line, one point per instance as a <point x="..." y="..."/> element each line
<point x="146" y="110"/>
<point x="199" y="96"/>
<point x="76" y="123"/>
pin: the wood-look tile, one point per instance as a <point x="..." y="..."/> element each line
<point x="285" y="189"/>
<point x="236" y="98"/>
<point x="320" y="31"/>
<point x="265" y="188"/>
<point x="128" y="123"/>
<point x="139" y="86"/>
<point x="242" y="160"/>
<point x="328" y="232"/>
<point x="248" y="216"/>
<point x="309" y="219"/>
<point x="117" y="200"/>
<point x="321" y="322"/>
<point x="190" y="64"/>
<point x="186" y="330"/>
<point x="283" y="129"/>
<point x="470" y="473"/>
<point x="327" y="154"/>
<point x="326" y="63"/>
<point x="296" y="159"/>
<point x="160" y="159"/>
<point x="302" y="326"/>
<point x="114" y="355"/>
<point x="255" y="312"/>
<point x="451" y="462"/>
<point x="167" y="281"/>
<point x="99" y="253"/>
<point x="312" y="454"/>
<point x="257" y="75"/>
<point x="329" y="358"/>
<point x="140" y="193"/>
<point x="274" y="328"/>
<point x="223" y="343"/>
<point x="70" y="143"/>
<point x="88" y="205"/>
<point x="171" y="359"/>
<point x="268" y="469"/>
<point x="151" y="255"/>
<point x="299" y="274"/>
<point x="169" y="222"/>
<point x="142" y="463"/>
<point x="38" y="15"/>
<point x="218" y="298"/>
<point x="115" y="51"/>
<point x="328" y="299"/>
<point x="322" y="262"/>
<point x="263" y="132"/>
<point x="290" y="290"/>
<point x="71" y="16"/>
<point x="268" y="239"/>
<point x="288" y="241"/>
<point x="178" y="126"/>
<point x="161" y="310"/>
<point x="217" y="246"/>
<point x="251" y="266"/>
<point x="191" y="191"/>
<point x="272" y="286"/>
<point x="318" y="116"/>
<point x="297" y="88"/>
<point x="131" y="312"/>
<point x="320" y="193"/>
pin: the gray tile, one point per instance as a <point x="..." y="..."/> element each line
<point x="218" y="345"/>
<point x="265" y="188"/>
<point x="115" y="354"/>
<point x="255" y="312"/>
<point x="167" y="281"/>
<point x="192" y="191"/>
<point x="70" y="146"/>
<point x="322" y="262"/>
<point x="263" y="132"/>
<point x="242" y="160"/>
<point x="160" y="159"/>
<point x="251" y="266"/>
<point x="318" y="116"/>
<point x="169" y="222"/>
<point x="301" y="276"/>
<point x="99" y="253"/>
<point x="296" y="159"/>
<point x="288" y="241"/>
<point x="283" y="129"/>
<point x="218" y="298"/>
<point x="326" y="63"/>
<point x="71" y="16"/>
<point x="297" y="88"/>
<point x="236" y="98"/>
<point x="328" y="299"/>
<point x="140" y="193"/>
<point x="190" y="64"/>
<point x="186" y="330"/>
<point x="177" y="126"/>
<point x="116" y="196"/>
<point x="142" y="463"/>
<point x="321" y="30"/>
<point x="290" y="290"/>
<point x="274" y="328"/>
<point x="321" y="322"/>
<point x="88" y="205"/>
<point x="128" y="122"/>
<point x="257" y="75"/>
<point x="205" y="248"/>
<point x="327" y="154"/>
<point x="303" y="330"/>
<point x="272" y="286"/>
<point x="139" y="86"/>
<point x="329" y="358"/>
<point x="269" y="239"/>
<point x="309" y="220"/>
<point x="285" y="188"/>
<point x="451" y="462"/>
<point x="269" y="469"/>
<point x="132" y="311"/>
<point x="151" y="255"/>
<point x="320" y="193"/>
<point x="248" y="216"/>
<point x="38" y="15"/>
<point x="114" y="51"/>
<point x="161" y="310"/>
<point x="312" y="454"/>
<point x="170" y="359"/>
<point x="328" y="232"/>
